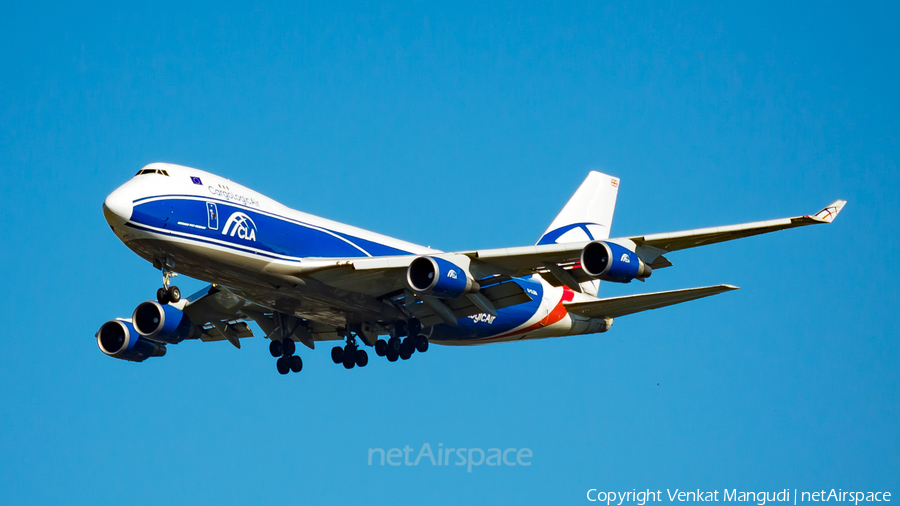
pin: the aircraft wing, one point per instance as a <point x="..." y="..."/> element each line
<point x="649" y="248"/>
<point x="559" y="263"/>
<point x="219" y="314"/>
<point x="674" y="241"/>
<point x="614" y="307"/>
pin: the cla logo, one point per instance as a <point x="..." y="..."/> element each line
<point x="451" y="274"/>
<point x="625" y="258"/>
<point x="241" y="225"/>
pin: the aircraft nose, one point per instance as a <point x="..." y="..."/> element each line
<point x="117" y="207"/>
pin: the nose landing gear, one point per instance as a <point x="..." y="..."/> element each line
<point x="167" y="293"/>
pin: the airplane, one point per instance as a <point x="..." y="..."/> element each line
<point x="305" y="279"/>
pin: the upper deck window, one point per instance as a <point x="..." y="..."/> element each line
<point x="152" y="171"/>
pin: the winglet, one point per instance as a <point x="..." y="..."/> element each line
<point x="830" y="212"/>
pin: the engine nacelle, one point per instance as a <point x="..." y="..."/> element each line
<point x="119" y="339"/>
<point x="163" y="323"/>
<point x="439" y="277"/>
<point x="612" y="262"/>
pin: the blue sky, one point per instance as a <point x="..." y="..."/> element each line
<point x="463" y="126"/>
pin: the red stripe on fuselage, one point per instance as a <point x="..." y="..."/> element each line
<point x="558" y="313"/>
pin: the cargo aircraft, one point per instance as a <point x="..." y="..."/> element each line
<point x="305" y="279"/>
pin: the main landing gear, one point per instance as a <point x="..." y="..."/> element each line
<point x="285" y="348"/>
<point x="167" y="293"/>
<point x="287" y="361"/>
<point x="395" y="348"/>
<point x="350" y="355"/>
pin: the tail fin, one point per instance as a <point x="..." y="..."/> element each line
<point x="588" y="215"/>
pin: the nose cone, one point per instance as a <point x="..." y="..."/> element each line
<point x="117" y="207"/>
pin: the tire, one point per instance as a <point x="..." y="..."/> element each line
<point x="415" y="327"/>
<point x="162" y="296"/>
<point x="337" y="354"/>
<point x="362" y="358"/>
<point x="348" y="364"/>
<point x="296" y="363"/>
<point x="283" y="366"/>
<point x="380" y="347"/>
<point x="421" y="344"/>
<point x="405" y="354"/>
<point x="392" y="356"/>
<point x="275" y="348"/>
<point x="409" y="344"/>
<point x="393" y="344"/>
<point x="288" y="347"/>
<point x="174" y="294"/>
<point x="399" y="328"/>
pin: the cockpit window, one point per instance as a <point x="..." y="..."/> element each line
<point x="152" y="171"/>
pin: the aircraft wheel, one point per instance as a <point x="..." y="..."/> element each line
<point x="348" y="361"/>
<point x="296" y="363"/>
<point x="393" y="344"/>
<point x="288" y="347"/>
<point x="174" y="294"/>
<point x="422" y="344"/>
<point x="362" y="358"/>
<point x="337" y="354"/>
<point x="162" y="296"/>
<point x="406" y="351"/>
<point x="275" y="348"/>
<point x="381" y="347"/>
<point x="409" y="344"/>
<point x="392" y="356"/>
<point x="283" y="366"/>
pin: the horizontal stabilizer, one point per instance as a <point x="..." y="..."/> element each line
<point x="620" y="306"/>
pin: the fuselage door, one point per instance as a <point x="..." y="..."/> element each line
<point x="212" y="215"/>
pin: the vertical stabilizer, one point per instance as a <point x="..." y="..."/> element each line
<point x="588" y="215"/>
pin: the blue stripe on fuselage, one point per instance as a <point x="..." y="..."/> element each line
<point x="508" y="318"/>
<point x="270" y="233"/>
<point x="281" y="238"/>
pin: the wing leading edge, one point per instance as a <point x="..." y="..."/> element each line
<point x="379" y="276"/>
<point x="525" y="260"/>
<point x="674" y="241"/>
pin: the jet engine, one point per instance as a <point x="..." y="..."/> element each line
<point x="439" y="277"/>
<point x="613" y="262"/>
<point x="163" y="323"/>
<point x="119" y="339"/>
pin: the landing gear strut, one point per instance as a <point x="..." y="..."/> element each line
<point x="167" y="293"/>
<point x="394" y="348"/>
<point x="350" y="355"/>
<point x="288" y="362"/>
